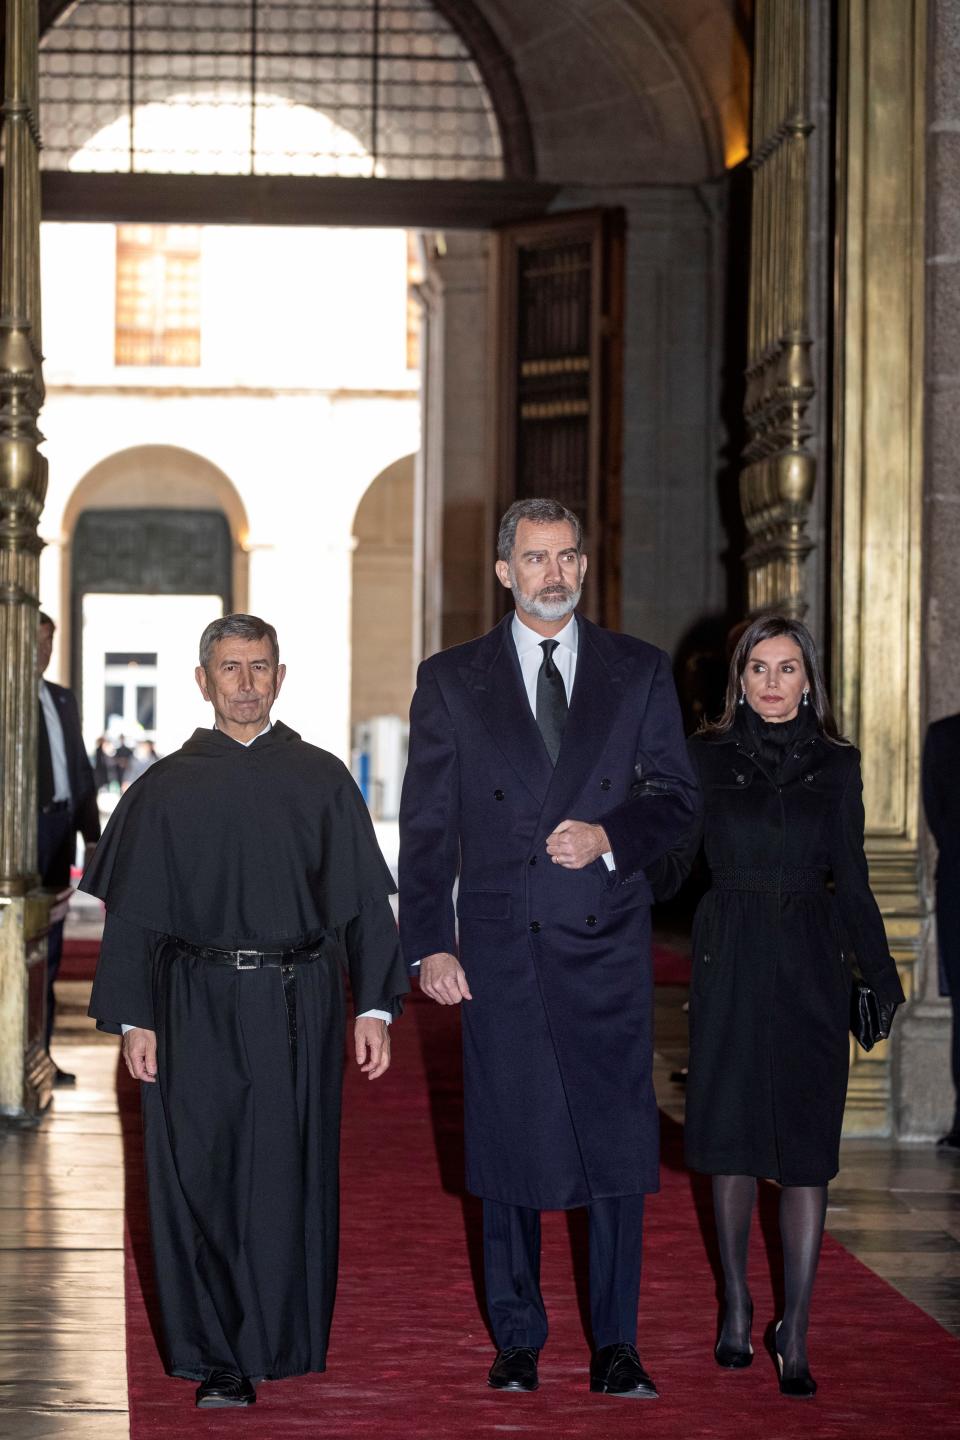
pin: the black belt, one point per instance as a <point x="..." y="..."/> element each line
<point x="250" y="959"/>
<point x="790" y="880"/>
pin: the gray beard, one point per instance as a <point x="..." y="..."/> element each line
<point x="552" y="608"/>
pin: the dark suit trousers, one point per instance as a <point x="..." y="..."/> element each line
<point x="511" y="1264"/>
<point x="56" y="839"/>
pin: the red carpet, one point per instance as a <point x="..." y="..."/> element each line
<point x="671" y="965"/>
<point x="79" y="959"/>
<point x="409" y="1351"/>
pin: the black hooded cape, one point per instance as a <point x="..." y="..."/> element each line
<point x="266" y="847"/>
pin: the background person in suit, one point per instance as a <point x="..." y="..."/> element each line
<point x="525" y="750"/>
<point x="941" y="802"/>
<point x="66" y="802"/>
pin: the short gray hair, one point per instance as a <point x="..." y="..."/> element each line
<point x="541" y="512"/>
<point x="237" y="627"/>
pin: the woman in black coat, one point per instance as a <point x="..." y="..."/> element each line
<point x="774" y="941"/>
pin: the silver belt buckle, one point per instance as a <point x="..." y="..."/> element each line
<point x="252" y="965"/>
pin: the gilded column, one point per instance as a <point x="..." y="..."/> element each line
<point x="23" y="478"/>
<point x="777" y="481"/>
<point x="878" y="460"/>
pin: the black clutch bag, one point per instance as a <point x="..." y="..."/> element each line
<point x="870" y="1017"/>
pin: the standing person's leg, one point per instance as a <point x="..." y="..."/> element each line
<point x="733" y="1201"/>
<point x="55" y="846"/>
<point x="803" y="1209"/>
<point x="511" y="1268"/>
<point x="950" y="978"/>
<point x="955" y="1057"/>
<point x="616" y="1252"/>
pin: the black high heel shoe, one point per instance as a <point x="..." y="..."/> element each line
<point x="801" y="1386"/>
<point x="730" y="1357"/>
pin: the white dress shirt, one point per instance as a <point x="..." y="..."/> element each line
<point x="530" y="656"/>
<point x="58" y="749"/>
<point x="367" y="1014"/>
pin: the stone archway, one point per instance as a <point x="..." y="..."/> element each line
<point x="152" y="477"/>
<point x="382" y="648"/>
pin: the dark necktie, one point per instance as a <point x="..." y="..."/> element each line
<point x="551" y="701"/>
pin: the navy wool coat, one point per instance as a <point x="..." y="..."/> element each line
<point x="559" y="1102"/>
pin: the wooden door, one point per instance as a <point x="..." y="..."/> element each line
<point x="559" y="411"/>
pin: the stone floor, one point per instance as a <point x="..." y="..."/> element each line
<point x="61" y="1232"/>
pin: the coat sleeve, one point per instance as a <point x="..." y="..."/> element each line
<point x="932" y="787"/>
<point x="666" y="799"/>
<point x="85" y="813"/>
<point x="122" y="991"/>
<point x="378" y="977"/>
<point x="668" y="873"/>
<point x="429" y="826"/>
<point x="859" y="911"/>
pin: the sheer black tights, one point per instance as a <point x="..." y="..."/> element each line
<point x="803" y="1209"/>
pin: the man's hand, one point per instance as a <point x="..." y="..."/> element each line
<point x="575" y="844"/>
<point x="139" y="1049"/>
<point x="442" y="977"/>
<point x="371" y="1038"/>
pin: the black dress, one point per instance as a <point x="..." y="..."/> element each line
<point x="788" y="914"/>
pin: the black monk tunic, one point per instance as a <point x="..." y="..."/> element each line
<point x="265" y="847"/>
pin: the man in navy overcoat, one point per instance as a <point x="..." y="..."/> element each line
<point x="547" y="767"/>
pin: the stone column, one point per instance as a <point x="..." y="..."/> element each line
<point x="878" y="487"/>
<point x="25" y="1072"/>
<point x="923" y="1091"/>
<point x="454" y="501"/>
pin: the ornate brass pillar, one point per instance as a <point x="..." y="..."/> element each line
<point x="777" y="482"/>
<point x="878" y="457"/>
<point x="24" y="1070"/>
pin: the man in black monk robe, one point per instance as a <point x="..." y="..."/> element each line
<point x="242" y="881"/>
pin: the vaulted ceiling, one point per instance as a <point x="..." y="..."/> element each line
<point x="622" y="91"/>
<point x="606" y="92"/>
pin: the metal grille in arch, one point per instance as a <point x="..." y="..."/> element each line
<point x="368" y="88"/>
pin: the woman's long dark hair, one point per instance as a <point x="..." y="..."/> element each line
<point x="772" y="627"/>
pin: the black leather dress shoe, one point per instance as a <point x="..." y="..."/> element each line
<point x="616" y="1370"/>
<point x="225" y="1388"/>
<point x="514" y="1369"/>
<point x="62" y="1077"/>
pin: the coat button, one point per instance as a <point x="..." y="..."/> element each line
<point x="498" y="794"/>
<point x="604" y="784"/>
<point x="706" y="957"/>
<point x="533" y="859"/>
<point x="591" y="919"/>
<point x="535" y="927"/>
<point x="741" y="779"/>
<point x="808" y="778"/>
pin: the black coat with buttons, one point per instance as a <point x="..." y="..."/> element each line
<point x="774" y="941"/>
<point x="559" y="1102"/>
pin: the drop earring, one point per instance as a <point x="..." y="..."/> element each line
<point x="806" y="696"/>
<point x="743" y="696"/>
